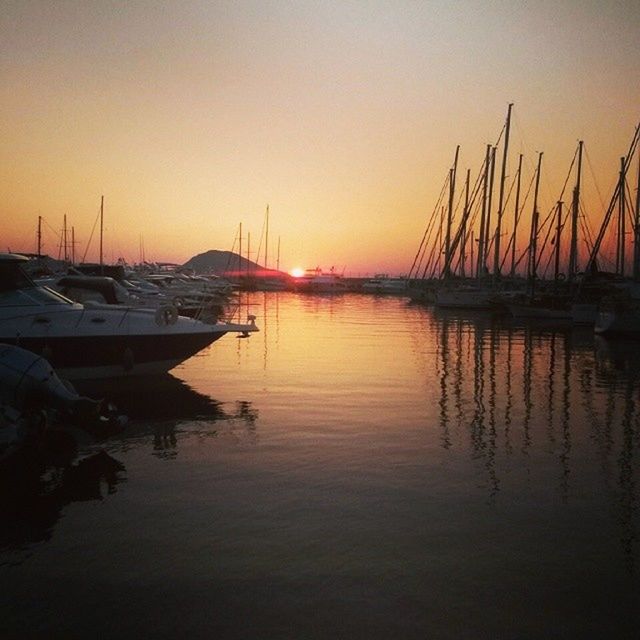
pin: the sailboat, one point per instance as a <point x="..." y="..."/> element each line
<point x="620" y="312"/>
<point x="477" y="293"/>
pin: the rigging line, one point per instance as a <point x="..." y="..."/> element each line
<point x="262" y="235"/>
<point x="626" y="161"/>
<point x="429" y="232"/>
<point x="458" y="235"/>
<point x="432" y="262"/>
<point x="629" y="206"/>
<point x="474" y="208"/>
<point x="95" y="222"/>
<point x="551" y="255"/>
<point x="517" y="220"/>
<point x="566" y="180"/>
<point x="56" y="233"/>
<point x="424" y="237"/>
<point x="435" y="247"/>
<point x="586" y="229"/>
<point x="476" y="190"/>
<point x="525" y="148"/>
<point x="549" y="230"/>
<point x="593" y="176"/>
<point x="524" y="202"/>
<point x="438" y="205"/>
<point x="553" y="209"/>
<point x="233" y="246"/>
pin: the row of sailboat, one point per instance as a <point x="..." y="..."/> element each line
<point x="465" y="266"/>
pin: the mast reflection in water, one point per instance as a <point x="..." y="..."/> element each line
<point x="361" y="467"/>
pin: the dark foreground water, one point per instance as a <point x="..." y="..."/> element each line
<point x="362" y="468"/>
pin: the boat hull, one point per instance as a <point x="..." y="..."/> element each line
<point x="463" y="299"/>
<point x="625" y="322"/>
<point x="543" y="313"/>
<point x="111" y="356"/>
<point x="111" y="342"/>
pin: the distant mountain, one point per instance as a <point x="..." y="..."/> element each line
<point x="220" y="262"/>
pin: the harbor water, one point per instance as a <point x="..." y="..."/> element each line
<point x="361" y="468"/>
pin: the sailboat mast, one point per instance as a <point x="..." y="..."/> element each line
<point x="636" y="231"/>
<point x="452" y="188"/>
<point x="65" y="252"/>
<point x="516" y="217"/>
<point x="266" y="241"/>
<point x="533" y="244"/>
<point x="575" y="211"/>
<point x="620" y="257"/>
<point x="440" y="243"/>
<point x="39" y="236"/>
<point x="73" y="245"/>
<point x="489" y="203"/>
<point x="239" y="250"/>
<point x="463" y="246"/>
<point x="485" y="187"/>
<point x="592" y="262"/>
<point x="496" y="256"/>
<point x="556" y="271"/>
<point x="248" y="252"/>
<point x="101" y="230"/>
<point x="278" y="258"/>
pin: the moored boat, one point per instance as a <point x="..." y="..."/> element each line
<point x="107" y="341"/>
<point x="319" y="281"/>
<point x="464" y="298"/>
<point x="383" y="283"/>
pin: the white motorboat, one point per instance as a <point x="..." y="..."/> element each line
<point x="318" y="281"/>
<point x="103" y="290"/>
<point x="383" y="283"/>
<point x="84" y="342"/>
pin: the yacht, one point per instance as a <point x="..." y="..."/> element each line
<point x="106" y="341"/>
<point x="318" y="281"/>
<point x="383" y="283"/>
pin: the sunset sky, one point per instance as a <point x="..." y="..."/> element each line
<point x="190" y="117"/>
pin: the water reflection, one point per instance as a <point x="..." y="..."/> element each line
<point x="161" y="409"/>
<point x="155" y="398"/>
<point x="37" y="485"/>
<point x="34" y="492"/>
<point x="557" y="391"/>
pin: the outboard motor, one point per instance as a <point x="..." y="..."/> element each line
<point x="28" y="382"/>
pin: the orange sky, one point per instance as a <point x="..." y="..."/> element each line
<point x="190" y="117"/>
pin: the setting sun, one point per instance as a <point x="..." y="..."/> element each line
<point x="297" y="272"/>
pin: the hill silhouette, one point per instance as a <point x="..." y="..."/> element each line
<point x="221" y="262"/>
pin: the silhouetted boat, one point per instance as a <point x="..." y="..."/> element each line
<point x="110" y="341"/>
<point x="318" y="281"/>
<point x="382" y="283"/>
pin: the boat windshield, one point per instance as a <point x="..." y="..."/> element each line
<point x="17" y="288"/>
<point x="13" y="277"/>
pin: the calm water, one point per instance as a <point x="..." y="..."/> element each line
<point x="362" y="468"/>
